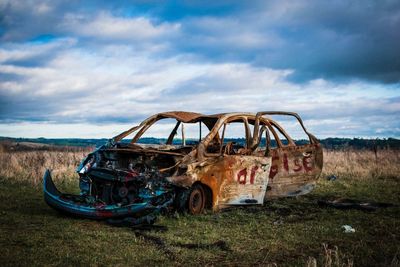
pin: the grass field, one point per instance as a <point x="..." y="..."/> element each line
<point x="286" y="232"/>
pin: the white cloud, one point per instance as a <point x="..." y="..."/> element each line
<point x="61" y="130"/>
<point x="114" y="84"/>
<point x="231" y="33"/>
<point x="15" y="52"/>
<point x="111" y="28"/>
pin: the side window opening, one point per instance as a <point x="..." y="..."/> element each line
<point x="193" y="133"/>
<point x="172" y="132"/>
<point x="159" y="132"/>
<point x="236" y="137"/>
<point x="267" y="142"/>
<point x="234" y="132"/>
<point x="233" y="139"/>
<point x="292" y="128"/>
<point x="281" y="137"/>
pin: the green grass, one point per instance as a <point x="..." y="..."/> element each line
<point x="284" y="232"/>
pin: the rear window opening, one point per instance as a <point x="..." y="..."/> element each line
<point x="292" y="128"/>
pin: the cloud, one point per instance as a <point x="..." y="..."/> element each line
<point x="104" y="26"/>
<point x="116" y="85"/>
<point x="115" y="63"/>
<point x="22" y="20"/>
<point x="331" y="40"/>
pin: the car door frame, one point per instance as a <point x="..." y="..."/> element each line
<point x="295" y="168"/>
<point x="242" y="179"/>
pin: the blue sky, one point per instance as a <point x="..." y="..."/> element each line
<point x="95" y="68"/>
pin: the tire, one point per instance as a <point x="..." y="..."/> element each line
<point x="196" y="200"/>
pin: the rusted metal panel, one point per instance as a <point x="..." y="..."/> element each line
<point x="182" y="116"/>
<point x="234" y="180"/>
<point x="295" y="170"/>
<point x="246" y="180"/>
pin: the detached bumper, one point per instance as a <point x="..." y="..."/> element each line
<point x="68" y="204"/>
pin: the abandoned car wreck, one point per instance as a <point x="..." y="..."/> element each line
<point x="121" y="178"/>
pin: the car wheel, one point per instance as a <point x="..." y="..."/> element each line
<point x="196" y="200"/>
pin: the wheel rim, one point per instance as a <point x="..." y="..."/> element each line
<point x="196" y="201"/>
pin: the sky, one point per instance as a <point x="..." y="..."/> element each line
<point x="92" y="69"/>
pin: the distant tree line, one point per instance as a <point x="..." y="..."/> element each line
<point x="329" y="143"/>
<point x="360" y="143"/>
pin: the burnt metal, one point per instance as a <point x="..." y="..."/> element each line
<point x="121" y="179"/>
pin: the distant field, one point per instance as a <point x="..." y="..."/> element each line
<point x="286" y="232"/>
<point x="331" y="143"/>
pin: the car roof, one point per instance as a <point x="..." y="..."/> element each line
<point x="183" y="116"/>
<point x="187" y="117"/>
<point x="190" y="117"/>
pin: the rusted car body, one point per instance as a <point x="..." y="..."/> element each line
<point x="130" y="179"/>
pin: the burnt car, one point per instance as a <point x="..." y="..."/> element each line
<point x="125" y="177"/>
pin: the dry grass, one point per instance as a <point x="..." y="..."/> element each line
<point x="31" y="233"/>
<point x="331" y="258"/>
<point x="362" y="164"/>
<point x="29" y="166"/>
